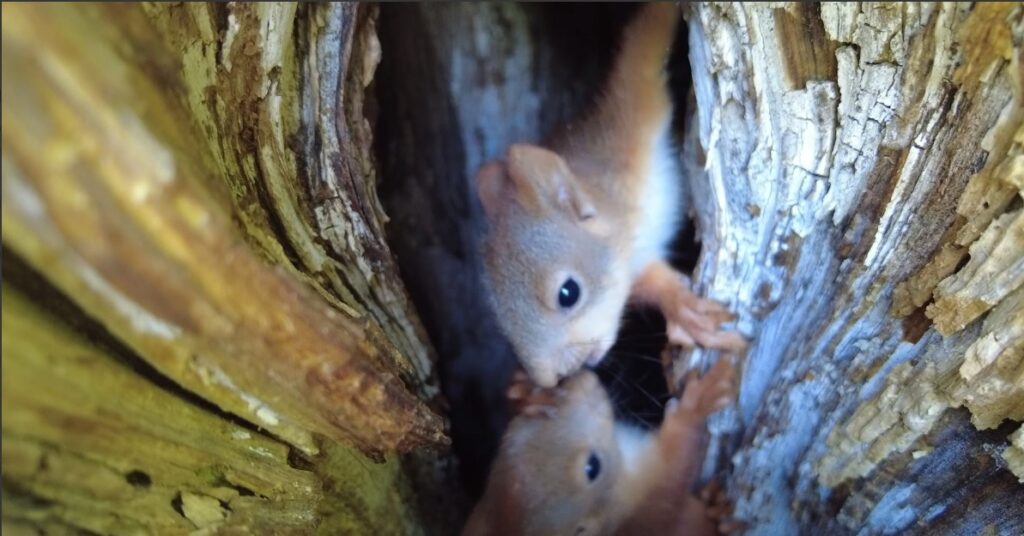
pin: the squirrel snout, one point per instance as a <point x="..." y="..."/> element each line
<point x="543" y="376"/>
<point x="547" y="372"/>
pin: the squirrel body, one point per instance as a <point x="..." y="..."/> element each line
<point x="567" y="467"/>
<point x="580" y="228"/>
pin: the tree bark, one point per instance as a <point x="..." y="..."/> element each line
<point x="860" y="209"/>
<point x="199" y="180"/>
<point x="205" y="328"/>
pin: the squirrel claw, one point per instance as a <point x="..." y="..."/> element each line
<point x="692" y="320"/>
<point x="716" y="390"/>
<point x="719" y="509"/>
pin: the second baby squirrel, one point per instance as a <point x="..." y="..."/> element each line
<point x="566" y="467"/>
<point x="581" y="227"/>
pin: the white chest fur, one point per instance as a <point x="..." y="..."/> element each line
<point x="633" y="445"/>
<point x="660" y="205"/>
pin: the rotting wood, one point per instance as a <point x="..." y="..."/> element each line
<point x="148" y="461"/>
<point x="74" y="455"/>
<point x="860" y="210"/>
<point x="140" y="238"/>
<point x="837" y="208"/>
<point x="278" y="91"/>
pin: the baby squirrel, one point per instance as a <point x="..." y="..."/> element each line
<point x="566" y="467"/>
<point x="581" y="227"/>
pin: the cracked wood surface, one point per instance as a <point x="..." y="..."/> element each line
<point x="147" y="461"/>
<point x="176" y="221"/>
<point x="278" y="90"/>
<point x="860" y="208"/>
<point x="107" y="194"/>
<point x="74" y="456"/>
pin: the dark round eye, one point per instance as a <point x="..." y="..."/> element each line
<point x="593" y="467"/>
<point x="568" y="293"/>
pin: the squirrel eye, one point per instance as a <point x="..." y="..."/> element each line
<point x="593" y="467"/>
<point x="568" y="293"/>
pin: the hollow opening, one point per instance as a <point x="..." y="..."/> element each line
<point x="458" y="83"/>
<point x="138" y="479"/>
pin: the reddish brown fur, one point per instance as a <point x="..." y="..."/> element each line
<point x="533" y="487"/>
<point x="609" y="149"/>
<point x="690" y="317"/>
<point x="597" y="207"/>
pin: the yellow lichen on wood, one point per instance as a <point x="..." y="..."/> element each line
<point x="989" y="45"/>
<point x="988" y="194"/>
<point x="107" y="193"/>
<point x="988" y="379"/>
<point x="991" y="378"/>
<point x="90" y="444"/>
<point x="995" y="269"/>
<point x="890" y="422"/>
<point x="987" y="375"/>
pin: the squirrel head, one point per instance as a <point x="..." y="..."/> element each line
<point x="557" y="286"/>
<point x="556" y="473"/>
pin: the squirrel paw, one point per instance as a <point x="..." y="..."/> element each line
<point x="692" y="320"/>
<point x="705" y="395"/>
<point x="526" y="398"/>
<point x="719" y="509"/>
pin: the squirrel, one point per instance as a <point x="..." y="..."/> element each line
<point x="566" y="467"/>
<point x="581" y="228"/>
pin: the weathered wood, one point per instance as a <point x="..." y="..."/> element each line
<point x="861" y="211"/>
<point x="278" y="91"/>
<point x="128" y="191"/>
<point x="141" y="461"/>
<point x="108" y="193"/>
<point x="91" y="442"/>
<point x="199" y="178"/>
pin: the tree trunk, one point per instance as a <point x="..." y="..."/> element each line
<point x="199" y="180"/>
<point x="205" y="328"/>
<point x="860" y="208"/>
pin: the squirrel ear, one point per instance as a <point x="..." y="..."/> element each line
<point x="542" y="177"/>
<point x="490" y="187"/>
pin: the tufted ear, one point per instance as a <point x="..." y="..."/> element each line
<point x="542" y="179"/>
<point x="491" y="185"/>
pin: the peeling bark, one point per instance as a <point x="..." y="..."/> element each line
<point x="129" y="236"/>
<point x="198" y="179"/>
<point x="860" y="210"/>
<point x="279" y="93"/>
<point x="119" y="467"/>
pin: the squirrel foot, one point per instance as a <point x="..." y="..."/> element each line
<point x="705" y="395"/>
<point x="719" y="509"/>
<point x="689" y="319"/>
<point x="692" y="320"/>
<point x="702" y="396"/>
